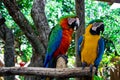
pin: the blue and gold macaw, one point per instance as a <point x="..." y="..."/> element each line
<point x="91" y="45"/>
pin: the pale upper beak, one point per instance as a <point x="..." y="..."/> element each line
<point x="77" y="24"/>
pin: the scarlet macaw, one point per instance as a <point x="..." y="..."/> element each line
<point x="59" y="39"/>
<point x="91" y="45"/>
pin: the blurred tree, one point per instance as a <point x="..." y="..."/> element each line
<point x="39" y="40"/>
<point x="30" y="33"/>
<point x="80" y="11"/>
<point x="8" y="38"/>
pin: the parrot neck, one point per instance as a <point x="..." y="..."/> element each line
<point x="64" y="24"/>
<point x="87" y="31"/>
<point x="65" y="27"/>
<point x="88" y="34"/>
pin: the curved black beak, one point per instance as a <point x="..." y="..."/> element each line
<point x="97" y="28"/>
<point x="101" y="28"/>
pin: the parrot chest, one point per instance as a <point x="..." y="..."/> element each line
<point x="89" y="49"/>
<point x="65" y="42"/>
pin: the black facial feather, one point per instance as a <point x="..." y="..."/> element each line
<point x="73" y="24"/>
<point x="98" y="30"/>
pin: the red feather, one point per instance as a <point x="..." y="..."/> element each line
<point x="66" y="38"/>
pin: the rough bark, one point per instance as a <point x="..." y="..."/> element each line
<point x="38" y="42"/>
<point x="24" y="25"/>
<point x="8" y="37"/>
<point x="80" y="11"/>
<point x="43" y="29"/>
<point x="40" y="20"/>
<point x="50" y="72"/>
<point x="41" y="24"/>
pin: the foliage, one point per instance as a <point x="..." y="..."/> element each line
<point x="100" y="10"/>
<point x="54" y="10"/>
<point x="24" y="52"/>
<point x="97" y="78"/>
<point x="111" y="20"/>
<point x="60" y="8"/>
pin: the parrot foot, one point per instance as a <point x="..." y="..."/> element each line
<point x="91" y="68"/>
<point x="84" y="64"/>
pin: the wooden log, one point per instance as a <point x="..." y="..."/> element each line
<point x="50" y="72"/>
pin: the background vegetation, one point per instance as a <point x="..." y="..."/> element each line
<point x="54" y="10"/>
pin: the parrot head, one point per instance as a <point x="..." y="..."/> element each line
<point x="73" y="23"/>
<point x="70" y="22"/>
<point x="97" y="27"/>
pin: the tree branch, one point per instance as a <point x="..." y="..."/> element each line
<point x="8" y="37"/>
<point x="50" y="72"/>
<point x="23" y="23"/>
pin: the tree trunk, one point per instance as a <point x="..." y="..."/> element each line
<point x="7" y="35"/>
<point x="41" y="24"/>
<point x="23" y="23"/>
<point x="38" y="42"/>
<point x="80" y="11"/>
<point x="43" y="29"/>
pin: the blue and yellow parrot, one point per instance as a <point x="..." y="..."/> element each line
<point x="91" y="45"/>
<point x="59" y="39"/>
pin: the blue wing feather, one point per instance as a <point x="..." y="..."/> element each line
<point x="100" y="52"/>
<point x="79" y="44"/>
<point x="53" y="43"/>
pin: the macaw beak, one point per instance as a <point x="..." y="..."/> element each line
<point x="101" y="27"/>
<point x="97" y="28"/>
<point x="73" y="23"/>
<point x="77" y="23"/>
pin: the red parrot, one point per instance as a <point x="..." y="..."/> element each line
<point x="59" y="39"/>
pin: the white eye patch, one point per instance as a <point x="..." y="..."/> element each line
<point x="94" y="28"/>
<point x="96" y="25"/>
<point x="71" y="20"/>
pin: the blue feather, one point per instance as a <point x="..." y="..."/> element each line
<point x="55" y="38"/>
<point x="100" y="52"/>
<point x="79" y="44"/>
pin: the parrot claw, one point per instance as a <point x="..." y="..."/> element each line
<point x="91" y="68"/>
<point x="84" y="64"/>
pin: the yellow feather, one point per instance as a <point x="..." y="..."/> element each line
<point x="89" y="47"/>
